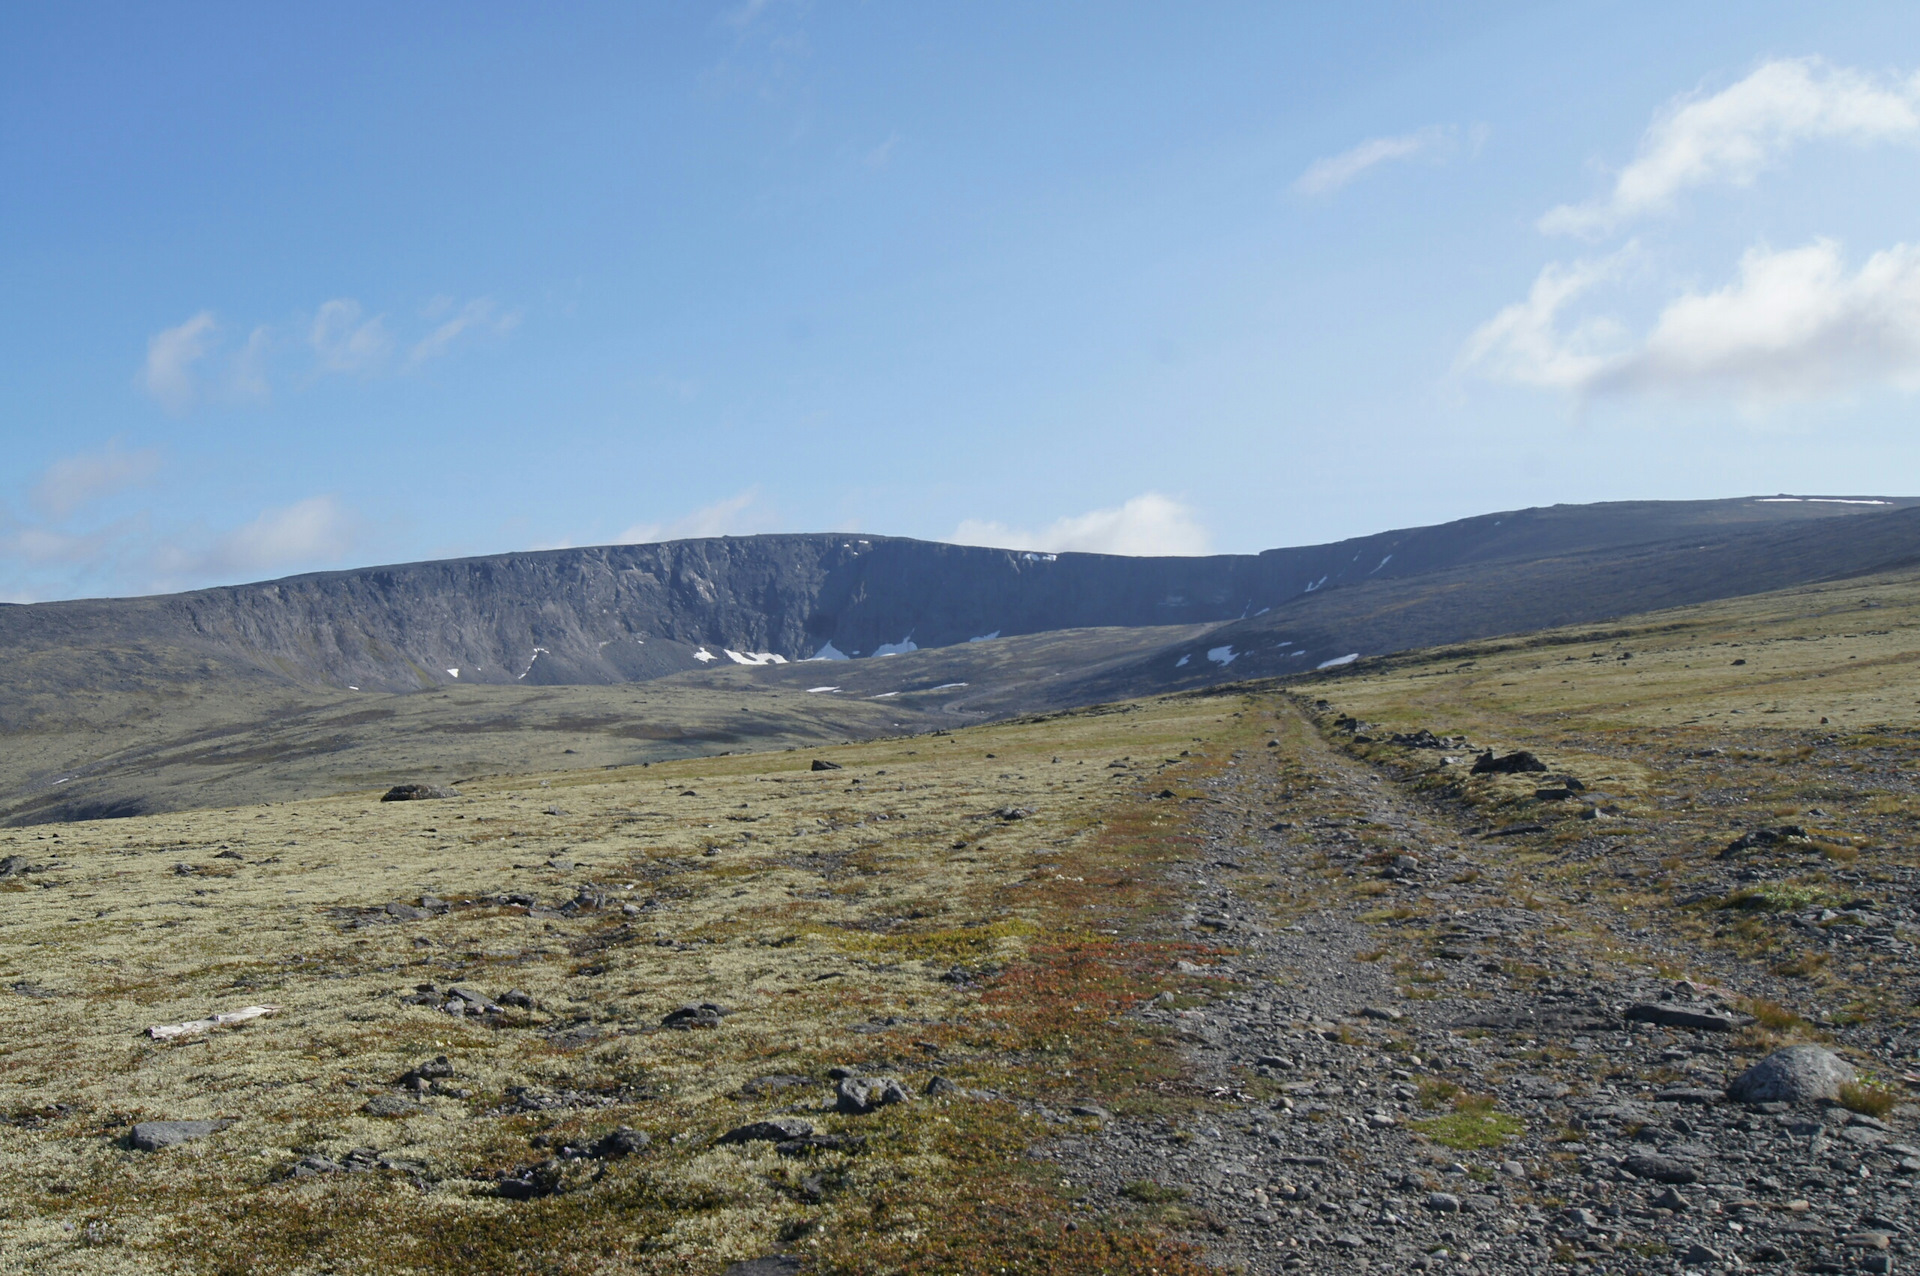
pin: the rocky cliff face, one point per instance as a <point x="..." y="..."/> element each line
<point x="632" y="612"/>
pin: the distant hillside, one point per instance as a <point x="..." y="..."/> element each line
<point x="628" y="613"/>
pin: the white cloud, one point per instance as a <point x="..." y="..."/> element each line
<point x="1524" y="344"/>
<point x="737" y="515"/>
<point x="1325" y="176"/>
<point x="318" y="529"/>
<point x="346" y="343"/>
<point x="1149" y="524"/>
<point x="171" y="354"/>
<point x="1794" y="324"/>
<point x="76" y="481"/>
<point x="478" y="314"/>
<point x="1732" y="136"/>
<point x="247" y="378"/>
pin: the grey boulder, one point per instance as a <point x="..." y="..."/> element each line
<point x="151" y="1136"/>
<point x="1797" y="1074"/>
<point x="859" y="1096"/>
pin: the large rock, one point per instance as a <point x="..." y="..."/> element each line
<point x="151" y="1136"/>
<point x="859" y="1096"/>
<point x="1516" y="763"/>
<point x="1797" y="1074"/>
<point x="1676" y="1015"/>
<point x="418" y="792"/>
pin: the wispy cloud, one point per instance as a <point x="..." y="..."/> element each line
<point x="171" y="355"/>
<point x="1794" y="324"/>
<point x="739" y="515"/>
<point x="480" y="314"/>
<point x="308" y="533"/>
<point x="1325" y="176"/>
<point x="73" y="482"/>
<point x="342" y="341"/>
<point x="1732" y="136"/>
<point x="1149" y="524"/>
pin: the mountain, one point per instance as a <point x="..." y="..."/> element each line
<point x="310" y="684"/>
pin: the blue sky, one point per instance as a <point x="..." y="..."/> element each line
<point x="294" y="287"/>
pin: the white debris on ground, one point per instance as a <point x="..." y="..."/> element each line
<point x="193" y="1027"/>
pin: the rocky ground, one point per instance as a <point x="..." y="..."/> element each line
<point x="1509" y="1096"/>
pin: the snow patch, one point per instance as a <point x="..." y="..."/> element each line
<point x="814" y="691"/>
<point x="947" y="686"/>
<point x="1180" y="663"/>
<point x="884" y="695"/>
<point x="1347" y="659"/>
<point x="1383" y="563"/>
<point x="754" y="657"/>
<point x="897" y="648"/>
<point x="534" y="659"/>
<point x="1315" y="585"/>
<point x="828" y="652"/>
<point x="1263" y="611"/>
<point x="1817" y="500"/>
<point x="1221" y="655"/>
<point x="1040" y="558"/>
<point x="453" y="673"/>
<point x="986" y="637"/>
<point x="703" y="655"/>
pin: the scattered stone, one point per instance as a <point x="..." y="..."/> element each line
<point x="1386" y="1013"/>
<point x="1443" y="1202"/>
<point x="1698" y="1255"/>
<point x="518" y="998"/>
<point x="687" y="1018"/>
<point x="392" y="1105"/>
<point x="151" y="1136"/>
<point x="1689" y="1094"/>
<point x="1797" y="1074"/>
<point x="625" y="1141"/>
<point x="941" y="1088"/>
<point x="777" y="1130"/>
<point x="1093" y="1110"/>
<point x="1514" y="763"/>
<point x="1660" y="1169"/>
<point x="1672" y="1200"/>
<point x="418" y="793"/>
<point x="531" y="1183"/>
<point x="406" y="912"/>
<point x="15" y="866"/>
<point x="1012" y="813"/>
<point x="862" y="1096"/>
<point x="1673" y="1015"/>
<point x="1764" y="837"/>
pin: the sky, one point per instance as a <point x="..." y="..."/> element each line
<point x="299" y="287"/>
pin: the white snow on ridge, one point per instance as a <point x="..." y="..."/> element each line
<point x="1383" y="563"/>
<point x="1221" y="655"/>
<point x="884" y="695"/>
<point x="754" y="657"/>
<point x="537" y="653"/>
<point x="703" y="655"/>
<point x="1816" y="500"/>
<point x="1347" y="659"/>
<point x="986" y="637"/>
<point x="828" y="652"/>
<point x="897" y="648"/>
<point x="947" y="686"/>
<point x="453" y="673"/>
<point x="814" y="691"/>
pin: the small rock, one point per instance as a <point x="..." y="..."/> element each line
<point x="1698" y="1255"/>
<point x="1443" y="1202"/>
<point x="941" y="1088"/>
<point x="518" y="998"/>
<point x="1672" y="1200"/>
<point x="391" y="1105"/>
<point x="1797" y="1074"/>
<point x="1382" y="1012"/>
<point x="1512" y="764"/>
<point x="405" y="912"/>
<point x="418" y="793"/>
<point x="151" y="1136"/>
<point x="624" y="1141"/>
<point x="686" y="1018"/>
<point x="822" y="765"/>
<point x="778" y="1130"/>
<point x="1660" y="1169"/>
<point x="1093" y="1110"/>
<point x="862" y="1096"/>
<point x="1670" y="1015"/>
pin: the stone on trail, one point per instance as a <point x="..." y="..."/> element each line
<point x="418" y="792"/>
<point x="151" y="1136"/>
<point x="1797" y="1074"/>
